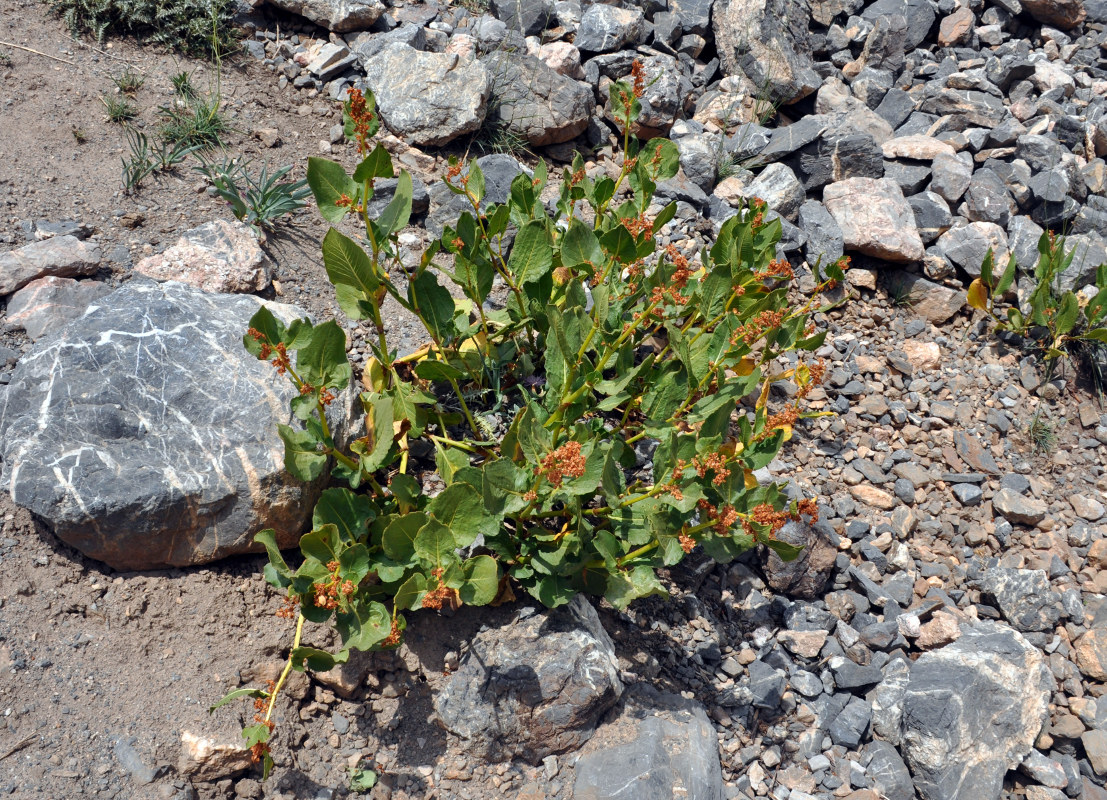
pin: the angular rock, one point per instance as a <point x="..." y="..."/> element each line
<point x="1063" y="14"/>
<point x="604" y="28"/>
<point x="331" y="61"/>
<point x="427" y="98"/>
<point x="932" y="215"/>
<point x="660" y="744"/>
<point x="950" y="176"/>
<point x="779" y="187"/>
<point x="957" y="27"/>
<point x="143" y="433"/>
<point x="987" y="199"/>
<point x="836" y="158"/>
<point x="919" y="15"/>
<point x="766" y="40"/>
<point x="1091" y="654"/>
<point x="972" y="711"/>
<point x="918" y="148"/>
<point x="529" y="17"/>
<point x="931" y="301"/>
<point x="1018" y="508"/>
<point x="534" y="688"/>
<point x="970" y="108"/>
<point x="535" y="102"/>
<point x="1023" y="597"/>
<point x="219" y="256"/>
<point x="824" y="237"/>
<point x="968" y="245"/>
<point x="875" y="219"/>
<point x="339" y="16"/>
<point x="59" y="257"/>
<point x="888" y="772"/>
<point x="46" y="304"/>
<point x="805" y="576"/>
<point x="204" y="759"/>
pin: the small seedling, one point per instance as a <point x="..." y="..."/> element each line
<point x="182" y="85"/>
<point x="362" y="780"/>
<point x="129" y="82"/>
<point x="258" y="201"/>
<point x="79" y="135"/>
<point x="195" y="123"/>
<point x="1042" y="433"/>
<point x="5" y="59"/>
<point x="119" y="109"/>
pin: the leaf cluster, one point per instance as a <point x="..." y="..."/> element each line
<point x="1058" y="323"/>
<point x="196" y="27"/>
<point x="260" y="200"/>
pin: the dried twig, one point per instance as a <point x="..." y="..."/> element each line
<point x="37" y="52"/>
<point x="15" y="748"/>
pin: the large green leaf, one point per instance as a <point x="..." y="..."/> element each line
<point x="398" y="211"/>
<point x="461" y="509"/>
<point x="1067" y="314"/>
<point x="410" y="594"/>
<point x="349" y="268"/>
<point x="399" y="537"/>
<point x="268" y="326"/>
<point x="435" y="545"/>
<point x="375" y="456"/>
<point x="364" y="625"/>
<point x="323" y="361"/>
<point x="276" y="572"/>
<point x="482" y="581"/>
<point x="579" y="246"/>
<point x="434" y="305"/>
<point x="350" y="513"/>
<point x="302" y="457"/>
<point x="329" y="182"/>
<point x="378" y="164"/>
<point x="532" y="254"/>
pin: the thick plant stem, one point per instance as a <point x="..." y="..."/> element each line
<point x="287" y="668"/>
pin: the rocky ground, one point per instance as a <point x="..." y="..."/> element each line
<point x="944" y="635"/>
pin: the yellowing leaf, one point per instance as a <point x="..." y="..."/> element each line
<point x="978" y="295"/>
<point x="745" y="367"/>
<point x="751" y="481"/>
<point x="373" y="376"/>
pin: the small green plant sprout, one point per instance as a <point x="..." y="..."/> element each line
<point x="1060" y="324"/>
<point x="182" y="85"/>
<point x="260" y="201"/>
<point x="195" y="122"/>
<point x="79" y="135"/>
<point x="362" y="780"/>
<point x="119" y="109"/>
<point x="129" y="82"/>
<point x="5" y="59"/>
<point x="1042" y="433"/>
<point x="147" y="159"/>
<point x="635" y="379"/>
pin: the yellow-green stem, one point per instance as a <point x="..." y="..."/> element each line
<point x="287" y="668"/>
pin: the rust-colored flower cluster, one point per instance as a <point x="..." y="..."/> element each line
<point x="442" y="595"/>
<point x="640" y="226"/>
<point x="723" y="518"/>
<point x="778" y="268"/>
<point x="756" y="327"/>
<point x="816" y="373"/>
<point x="683" y="269"/>
<point x="638" y="75"/>
<point x="687" y="543"/>
<point x="280" y="361"/>
<point x="783" y="419"/>
<point x="563" y="462"/>
<point x="757" y="207"/>
<point x="362" y="118"/>
<point x="327" y="594"/>
<point x="395" y="635"/>
<point x="288" y="607"/>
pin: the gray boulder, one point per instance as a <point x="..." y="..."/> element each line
<point x="535" y="102"/>
<point x="427" y="98"/>
<point x="45" y="305"/>
<point x="805" y="576"/>
<point x="604" y="28"/>
<point x="339" y="16"/>
<point x="533" y="688"/>
<point x="919" y="14"/>
<point x="529" y="17"/>
<point x="666" y="91"/>
<point x="768" y="42"/>
<point x="824" y="237"/>
<point x="972" y="711"/>
<point x="658" y="744"/>
<point x="60" y="257"/>
<point x="1023" y="597"/>
<point x="875" y="218"/>
<point x="968" y="245"/>
<point x="931" y="301"/>
<point x="144" y="434"/>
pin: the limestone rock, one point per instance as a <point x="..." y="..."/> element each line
<point x="658" y="743"/>
<point x="204" y="759"/>
<point x="219" y="256"/>
<point x="1017" y="508"/>
<point x="339" y="16"/>
<point x="875" y="219"/>
<point x="145" y="436"/>
<point x="427" y="98"/>
<point x="931" y="301"/>
<point x="1091" y="654"/>
<point x="46" y="304"/>
<point x="972" y="711"/>
<point x="604" y="28"/>
<point x="536" y="102"/>
<point x="1023" y="597"/>
<point x="535" y="687"/>
<point x="60" y="257"/>
<point x="766" y="40"/>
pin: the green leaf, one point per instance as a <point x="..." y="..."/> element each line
<point x="438" y="371"/>
<point x="349" y="268"/>
<point x="579" y="246"/>
<point x="434" y="305"/>
<point x="399" y="537"/>
<point x="532" y="254"/>
<point x="268" y="326"/>
<point x="407" y="490"/>
<point x="661" y="158"/>
<point x="350" y="513"/>
<point x="1007" y="279"/>
<point x="986" y="267"/>
<point x="302" y="457"/>
<point x="364" y="625"/>
<point x="376" y="455"/>
<point x="475" y="184"/>
<point x="328" y="182"/>
<point x="620" y="244"/>
<point x="312" y="658"/>
<point x="276" y="572"/>
<point x="321" y="543"/>
<point x="435" y="545"/>
<point x="354" y="563"/>
<point x="378" y="164"/>
<point x="1067" y="313"/>
<point x="230" y="697"/>
<point x="323" y="361"/>
<point x="398" y="211"/>
<point x="482" y="581"/>
<point x="448" y="462"/>
<point x="461" y="509"/>
<point x="410" y="594"/>
<point x="787" y="552"/>
<point x="362" y="780"/>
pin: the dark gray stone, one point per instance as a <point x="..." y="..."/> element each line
<point x="824" y="237"/>
<point x="919" y="15"/>
<point x="1023" y="235"/>
<point x="932" y="215"/>
<point x="849" y="727"/>
<point x="790" y="138"/>
<point x="766" y="684"/>
<point x="967" y="107"/>
<point x="747" y="141"/>
<point x="950" y="176"/>
<point x="367" y="45"/>
<point x="972" y="711"/>
<point x="534" y="688"/>
<point x="384" y="189"/>
<point x="1040" y="151"/>
<point x="534" y="102"/>
<point x="807" y="575"/>
<point x="889" y="774"/>
<point x="604" y="28"/>
<point x="115" y="436"/>
<point x="911" y="178"/>
<point x="694" y="15"/>
<point x="896" y="107"/>
<point x="1024" y="598"/>
<point x="529" y="17"/>
<point x="987" y="200"/>
<point x="831" y="159"/>
<point x="660" y="745"/>
<point x="850" y="675"/>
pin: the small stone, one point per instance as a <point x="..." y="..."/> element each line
<point x="803" y="643"/>
<point x="1086" y="507"/>
<point x="1091" y="654"/>
<point x="203" y="759"/>
<point x="1095" y="745"/>
<point x="870" y="495"/>
<point x="1018" y="508"/>
<point x="941" y="630"/>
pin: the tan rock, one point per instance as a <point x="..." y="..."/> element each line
<point x="206" y="760"/>
<point x="563" y="58"/>
<point x="957" y="27"/>
<point x="1091" y="654"/>
<point x="871" y="496"/>
<point x="1086" y="507"/>
<point x="1097" y="554"/>
<point x="917" y="147"/>
<point x="861" y="278"/>
<point x="923" y="356"/>
<point x="1067" y="726"/>
<point x="803" y="643"/>
<point x="875" y="218"/>
<point x="219" y="256"/>
<point x="938" y="632"/>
